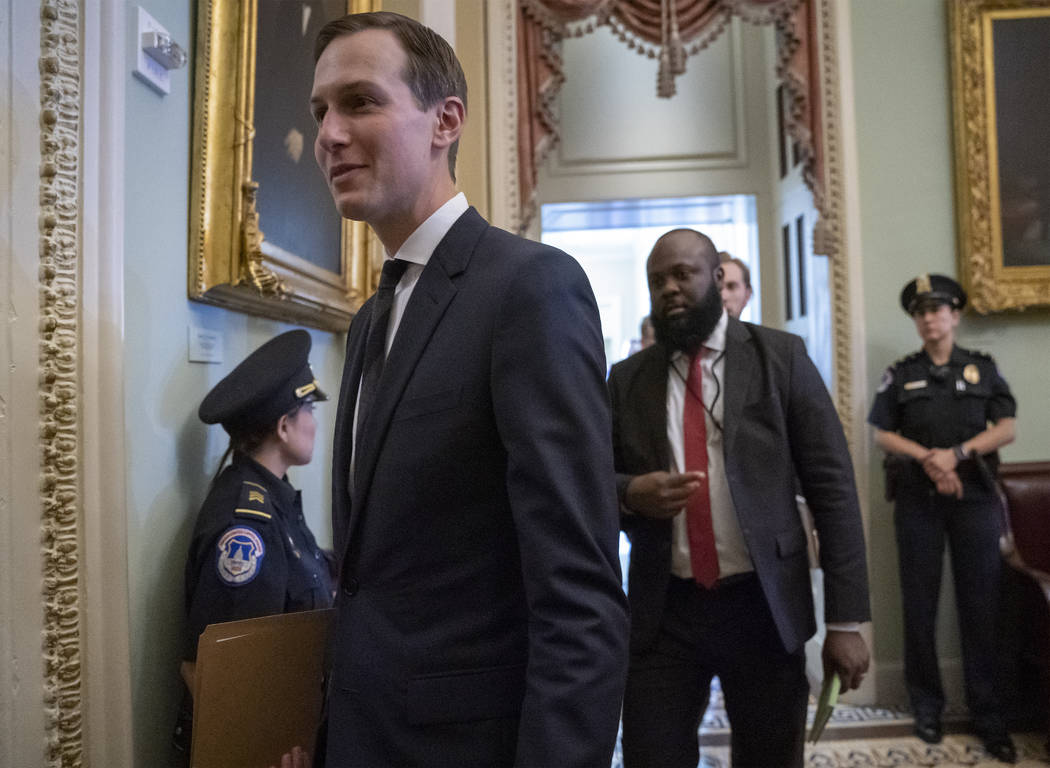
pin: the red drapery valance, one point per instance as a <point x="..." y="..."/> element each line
<point x="670" y="31"/>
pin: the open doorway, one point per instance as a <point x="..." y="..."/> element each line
<point x="611" y="240"/>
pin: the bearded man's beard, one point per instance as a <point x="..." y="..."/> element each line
<point x="688" y="330"/>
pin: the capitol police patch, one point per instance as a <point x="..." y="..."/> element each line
<point x="887" y="380"/>
<point x="241" y="552"/>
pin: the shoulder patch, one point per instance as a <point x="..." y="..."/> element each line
<point x="254" y="502"/>
<point x="240" y="556"/>
<point x="887" y="380"/>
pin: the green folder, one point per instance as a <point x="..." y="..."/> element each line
<point x="829" y="695"/>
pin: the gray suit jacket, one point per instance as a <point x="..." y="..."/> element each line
<point x="779" y="422"/>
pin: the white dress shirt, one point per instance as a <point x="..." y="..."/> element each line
<point x="416" y="250"/>
<point x="732" y="551"/>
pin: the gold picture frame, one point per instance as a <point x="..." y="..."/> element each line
<point x="1002" y="186"/>
<point x="231" y="264"/>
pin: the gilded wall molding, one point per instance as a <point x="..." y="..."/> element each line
<point x="504" y="204"/>
<point x="829" y="237"/>
<point x="60" y="116"/>
<point x="993" y="285"/>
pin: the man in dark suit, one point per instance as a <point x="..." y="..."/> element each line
<point x="710" y="427"/>
<point x="480" y="615"/>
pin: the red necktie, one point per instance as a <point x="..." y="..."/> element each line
<point x="702" y="552"/>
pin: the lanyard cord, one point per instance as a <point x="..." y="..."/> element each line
<point x="699" y="397"/>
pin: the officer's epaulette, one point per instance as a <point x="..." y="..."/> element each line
<point x="976" y="353"/>
<point x="254" y="503"/>
<point x="908" y="359"/>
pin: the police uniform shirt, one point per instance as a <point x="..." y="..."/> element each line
<point x="252" y="553"/>
<point x="942" y="406"/>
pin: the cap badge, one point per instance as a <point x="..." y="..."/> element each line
<point x="972" y="374"/>
<point x="306" y="389"/>
<point x="922" y="283"/>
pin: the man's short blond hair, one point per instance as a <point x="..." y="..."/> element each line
<point x="725" y="258"/>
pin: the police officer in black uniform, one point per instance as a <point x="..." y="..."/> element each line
<point x="941" y="414"/>
<point x="252" y="553"/>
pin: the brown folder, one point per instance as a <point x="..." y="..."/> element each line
<point x="258" y="689"/>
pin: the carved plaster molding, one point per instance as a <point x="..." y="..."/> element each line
<point x="60" y="115"/>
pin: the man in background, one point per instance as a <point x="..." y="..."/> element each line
<point x="648" y="338"/>
<point x="645" y="338"/>
<point x="480" y="618"/>
<point x="710" y="427"/>
<point x="735" y="284"/>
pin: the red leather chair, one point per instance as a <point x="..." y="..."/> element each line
<point x="1026" y="548"/>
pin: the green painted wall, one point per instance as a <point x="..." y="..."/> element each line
<point x="172" y="455"/>
<point x="902" y="91"/>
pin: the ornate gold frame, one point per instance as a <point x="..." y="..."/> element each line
<point x="229" y="265"/>
<point x="991" y="286"/>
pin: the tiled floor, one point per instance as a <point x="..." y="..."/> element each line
<point x="956" y="750"/>
<point x="874" y="737"/>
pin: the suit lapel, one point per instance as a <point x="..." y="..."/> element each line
<point x="430" y="298"/>
<point x="344" y="420"/>
<point x="652" y="394"/>
<point x="740" y="367"/>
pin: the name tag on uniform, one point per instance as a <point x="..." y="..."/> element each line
<point x="915" y="384"/>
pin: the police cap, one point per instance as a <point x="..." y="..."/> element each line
<point x="269" y="383"/>
<point x="930" y="291"/>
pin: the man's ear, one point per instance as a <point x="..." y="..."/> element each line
<point x="451" y="115"/>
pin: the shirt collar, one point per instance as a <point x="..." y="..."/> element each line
<point x="716" y="341"/>
<point x="420" y="245"/>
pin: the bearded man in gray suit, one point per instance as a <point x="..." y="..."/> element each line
<point x="711" y="425"/>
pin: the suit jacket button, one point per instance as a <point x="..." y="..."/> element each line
<point x="350" y="586"/>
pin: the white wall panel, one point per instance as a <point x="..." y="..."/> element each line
<point x="612" y="119"/>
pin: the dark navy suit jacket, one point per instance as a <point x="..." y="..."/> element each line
<point x="779" y="421"/>
<point x="481" y="619"/>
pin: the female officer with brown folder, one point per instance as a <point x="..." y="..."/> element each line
<point x="941" y="414"/>
<point x="252" y="553"/>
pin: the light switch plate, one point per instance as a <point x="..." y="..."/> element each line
<point x="147" y="69"/>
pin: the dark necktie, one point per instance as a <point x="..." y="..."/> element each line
<point x="375" y="344"/>
<point x="702" y="552"/>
